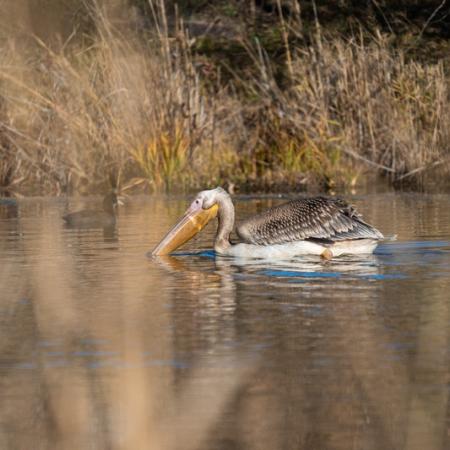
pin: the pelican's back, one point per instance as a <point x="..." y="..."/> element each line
<point x="317" y="218"/>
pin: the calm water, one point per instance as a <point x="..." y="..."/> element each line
<point x="103" y="348"/>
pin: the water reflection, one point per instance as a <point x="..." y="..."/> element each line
<point x="104" y="348"/>
<point x="8" y="208"/>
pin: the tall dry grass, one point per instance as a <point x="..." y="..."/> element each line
<point x="114" y="105"/>
<point x="134" y="105"/>
<point x="348" y="105"/>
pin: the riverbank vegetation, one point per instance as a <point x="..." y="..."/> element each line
<point x="165" y="96"/>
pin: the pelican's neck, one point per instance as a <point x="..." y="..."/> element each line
<point x="226" y="222"/>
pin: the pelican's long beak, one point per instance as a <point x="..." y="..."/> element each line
<point x="193" y="221"/>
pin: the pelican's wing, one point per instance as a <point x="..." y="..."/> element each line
<point x="309" y="218"/>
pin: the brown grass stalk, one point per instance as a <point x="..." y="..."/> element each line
<point x="141" y="107"/>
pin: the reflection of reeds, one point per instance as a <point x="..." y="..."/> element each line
<point x="368" y="396"/>
<point x="68" y="406"/>
<point x="58" y="289"/>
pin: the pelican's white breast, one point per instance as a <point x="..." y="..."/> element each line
<point x="300" y="248"/>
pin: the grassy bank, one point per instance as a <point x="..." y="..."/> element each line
<point x="145" y="104"/>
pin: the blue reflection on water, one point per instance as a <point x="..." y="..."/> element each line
<point x="388" y="276"/>
<point x="389" y="254"/>
<point x="93" y="353"/>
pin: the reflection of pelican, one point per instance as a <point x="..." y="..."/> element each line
<point x="304" y="268"/>
<point x="310" y="226"/>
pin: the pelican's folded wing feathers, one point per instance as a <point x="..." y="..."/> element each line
<point x="309" y="218"/>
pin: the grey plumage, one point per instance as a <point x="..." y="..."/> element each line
<point x="318" y="218"/>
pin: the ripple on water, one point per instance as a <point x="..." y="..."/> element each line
<point x="332" y="344"/>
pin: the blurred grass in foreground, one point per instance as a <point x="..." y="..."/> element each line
<point x="90" y="334"/>
<point x="127" y="405"/>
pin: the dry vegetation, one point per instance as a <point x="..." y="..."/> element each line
<point x="140" y="107"/>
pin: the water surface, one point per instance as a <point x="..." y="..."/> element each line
<point x="102" y="347"/>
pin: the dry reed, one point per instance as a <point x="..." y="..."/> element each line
<point x="138" y="107"/>
<point x="348" y="106"/>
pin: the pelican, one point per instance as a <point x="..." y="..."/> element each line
<point x="308" y="226"/>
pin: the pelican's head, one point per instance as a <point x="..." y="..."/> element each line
<point x="203" y="209"/>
